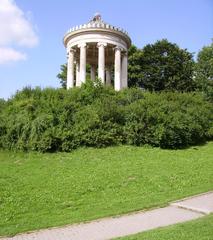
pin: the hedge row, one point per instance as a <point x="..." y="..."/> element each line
<point x="61" y="120"/>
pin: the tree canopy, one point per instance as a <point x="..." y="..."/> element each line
<point x="161" y="66"/>
<point x="204" y="70"/>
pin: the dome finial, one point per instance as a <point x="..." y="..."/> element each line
<point x="97" y="17"/>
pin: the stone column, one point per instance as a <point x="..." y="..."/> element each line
<point x="93" y="72"/>
<point x="70" y="69"/>
<point x="83" y="56"/>
<point x="108" y="76"/>
<point x="78" y="82"/>
<point x="101" y="61"/>
<point x="117" y="69"/>
<point x="124" y="71"/>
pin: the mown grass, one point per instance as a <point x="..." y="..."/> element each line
<point x="44" y="190"/>
<point x="200" y="229"/>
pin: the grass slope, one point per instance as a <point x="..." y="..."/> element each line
<point x="43" y="190"/>
<point x="200" y="229"/>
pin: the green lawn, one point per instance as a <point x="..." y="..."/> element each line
<point x="43" y="190"/>
<point x="201" y="229"/>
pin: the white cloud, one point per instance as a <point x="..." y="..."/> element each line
<point x="10" y="55"/>
<point x="15" y="30"/>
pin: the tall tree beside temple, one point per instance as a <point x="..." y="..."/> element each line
<point x="161" y="66"/>
<point x="204" y="70"/>
<point x="62" y="76"/>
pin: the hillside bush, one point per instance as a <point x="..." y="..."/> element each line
<point x="52" y="120"/>
<point x="168" y="120"/>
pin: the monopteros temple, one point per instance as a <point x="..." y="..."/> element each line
<point x="102" y="46"/>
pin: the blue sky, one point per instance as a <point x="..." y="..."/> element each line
<point x="32" y="56"/>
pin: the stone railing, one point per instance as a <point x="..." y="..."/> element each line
<point x="97" y="25"/>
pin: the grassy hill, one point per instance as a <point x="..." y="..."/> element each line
<point x="42" y="190"/>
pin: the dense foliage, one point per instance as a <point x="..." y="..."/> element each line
<point x="204" y="71"/>
<point x="61" y="120"/>
<point x="161" y="66"/>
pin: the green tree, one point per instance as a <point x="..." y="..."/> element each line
<point x="204" y="70"/>
<point x="62" y="76"/>
<point x="2" y="103"/>
<point x="135" y="73"/>
<point x="161" y="66"/>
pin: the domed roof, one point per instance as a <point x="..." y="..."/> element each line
<point x="96" y="23"/>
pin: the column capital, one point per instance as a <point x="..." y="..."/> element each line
<point x="82" y="45"/>
<point x="118" y="48"/>
<point x="125" y="52"/>
<point x="70" y="51"/>
<point x="99" y="44"/>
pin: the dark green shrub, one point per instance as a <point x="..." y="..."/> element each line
<point x="168" y="120"/>
<point x="144" y="122"/>
<point x="61" y="120"/>
<point x="96" y="127"/>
